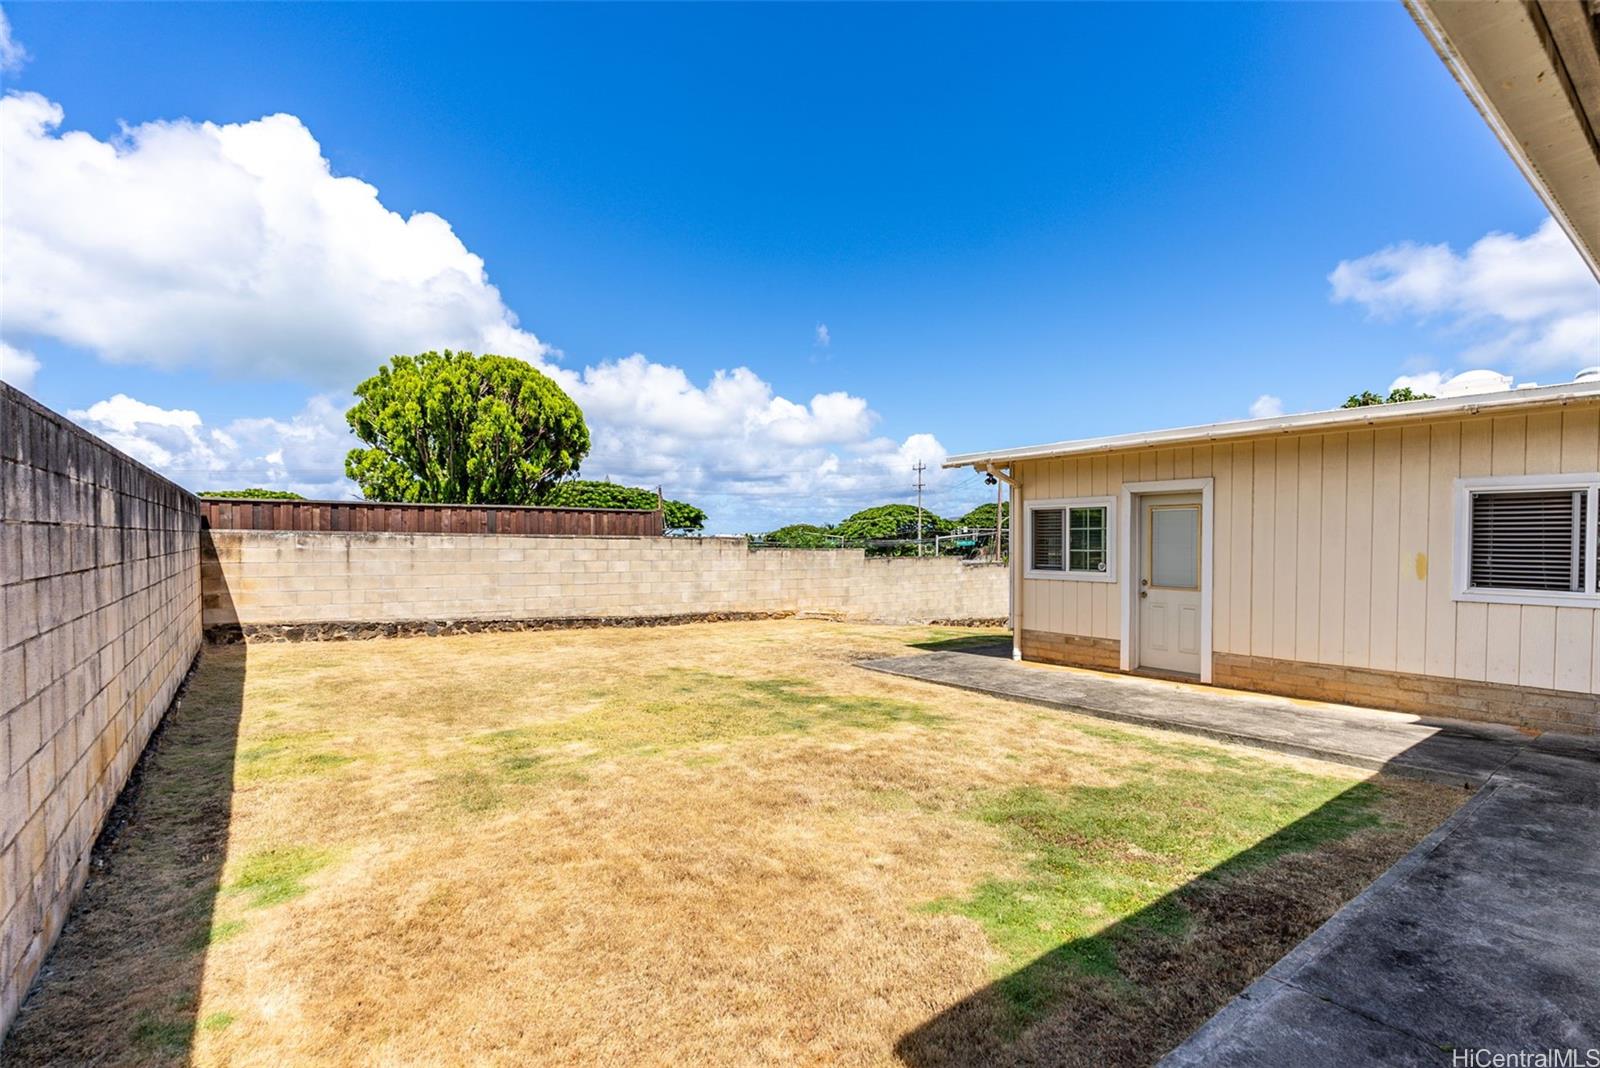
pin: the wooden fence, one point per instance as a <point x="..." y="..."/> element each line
<point x="227" y="513"/>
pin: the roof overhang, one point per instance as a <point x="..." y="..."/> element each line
<point x="1308" y="422"/>
<point x="1532" y="68"/>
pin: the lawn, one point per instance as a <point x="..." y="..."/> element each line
<point x="716" y="844"/>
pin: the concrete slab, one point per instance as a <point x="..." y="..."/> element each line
<point x="1453" y="752"/>
<point x="1484" y="937"/>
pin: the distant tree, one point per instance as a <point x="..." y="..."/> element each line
<point x="983" y="516"/>
<point x="1396" y="396"/>
<point x="679" y="516"/>
<point x="801" y="536"/>
<point x="455" y="428"/>
<point x="254" y="494"/>
<point x="892" y="521"/>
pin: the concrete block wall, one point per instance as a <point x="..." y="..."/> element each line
<point x="99" y="621"/>
<point x="276" y="577"/>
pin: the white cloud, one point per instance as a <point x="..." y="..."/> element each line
<point x="1525" y="301"/>
<point x="304" y="453"/>
<point x="235" y="248"/>
<point x="17" y="366"/>
<point x="12" y="54"/>
<point x="735" y="438"/>
<point x="232" y="247"/>
<point x="1450" y="384"/>
<point x="824" y="339"/>
<point x="1266" y="406"/>
<point x="751" y="458"/>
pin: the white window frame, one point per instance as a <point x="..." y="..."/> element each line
<point x="1054" y="503"/>
<point x="1466" y="487"/>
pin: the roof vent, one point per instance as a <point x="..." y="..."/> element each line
<point x="1588" y="374"/>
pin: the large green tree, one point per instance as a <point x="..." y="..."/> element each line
<point x="679" y="516"/>
<point x="455" y="428"/>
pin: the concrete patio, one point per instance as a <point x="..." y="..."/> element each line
<point x="1485" y="937"/>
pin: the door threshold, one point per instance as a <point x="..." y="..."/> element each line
<point x="1165" y="673"/>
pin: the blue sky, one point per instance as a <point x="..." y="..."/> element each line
<point x="1017" y="223"/>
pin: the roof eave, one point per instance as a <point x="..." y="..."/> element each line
<point x="1289" y="424"/>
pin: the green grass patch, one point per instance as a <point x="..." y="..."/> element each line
<point x="288" y="756"/>
<point x="216" y="1021"/>
<point x="274" y="876"/>
<point x="1103" y="863"/>
<point x="214" y="934"/>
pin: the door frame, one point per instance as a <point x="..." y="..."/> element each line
<point x="1130" y="534"/>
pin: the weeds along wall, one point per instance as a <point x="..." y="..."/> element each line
<point x="100" y="579"/>
<point x="255" y="581"/>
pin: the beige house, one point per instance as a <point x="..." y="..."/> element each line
<point x="1435" y="556"/>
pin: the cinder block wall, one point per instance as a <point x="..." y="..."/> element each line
<point x="254" y="578"/>
<point x="99" y="575"/>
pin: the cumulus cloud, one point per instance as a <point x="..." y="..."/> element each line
<point x="752" y="458"/>
<point x="236" y="248"/>
<point x="1266" y="406"/>
<point x="735" y="438"/>
<point x="12" y="54"/>
<point x="17" y="366"/>
<point x="233" y="247"/>
<point x="1529" y="302"/>
<point x="824" y="339"/>
<point x="304" y="453"/>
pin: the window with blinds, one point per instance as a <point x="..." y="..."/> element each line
<point x="1529" y="540"/>
<point x="1070" y="538"/>
<point x="1047" y="540"/>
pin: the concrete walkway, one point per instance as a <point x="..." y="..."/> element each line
<point x="1485" y="936"/>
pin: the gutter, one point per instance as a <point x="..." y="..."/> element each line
<point x="1374" y="415"/>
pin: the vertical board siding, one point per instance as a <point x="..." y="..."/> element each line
<point x="1338" y="548"/>
<point x="1444" y="466"/>
<point x="1358" y="552"/>
<point x="1381" y="579"/>
<point x="1411" y="577"/>
<point x="1331" y="592"/>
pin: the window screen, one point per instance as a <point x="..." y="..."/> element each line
<point x="1047" y="554"/>
<point x="1529" y="540"/>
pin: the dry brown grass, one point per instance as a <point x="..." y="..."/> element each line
<point x="716" y="844"/>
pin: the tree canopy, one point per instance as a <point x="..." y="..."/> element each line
<point x="801" y="536"/>
<point x="1367" y="398"/>
<point x="680" y="516"/>
<point x="891" y="521"/>
<point x="254" y="493"/>
<point x="455" y="428"/>
<point x="983" y="516"/>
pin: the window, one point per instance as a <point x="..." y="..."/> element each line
<point x="1527" y="540"/>
<point x="1070" y="539"/>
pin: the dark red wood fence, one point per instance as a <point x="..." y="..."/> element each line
<point x="367" y="516"/>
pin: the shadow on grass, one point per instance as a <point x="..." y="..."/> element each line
<point x="977" y="644"/>
<point x="142" y="925"/>
<point x="1131" y="992"/>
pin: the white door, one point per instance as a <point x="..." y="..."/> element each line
<point x="1169" y="583"/>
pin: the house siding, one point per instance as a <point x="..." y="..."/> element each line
<point x="1336" y="548"/>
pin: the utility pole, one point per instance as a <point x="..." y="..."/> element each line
<point x="919" y="468"/>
